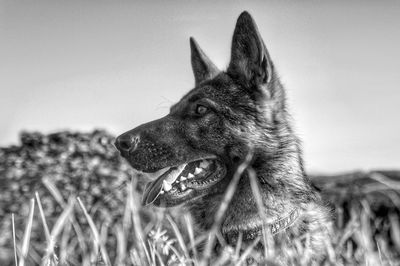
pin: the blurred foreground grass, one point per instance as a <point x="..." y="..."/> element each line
<point x="69" y="200"/>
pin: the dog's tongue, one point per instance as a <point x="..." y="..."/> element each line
<point x="153" y="189"/>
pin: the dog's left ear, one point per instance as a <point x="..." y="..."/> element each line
<point x="203" y="68"/>
<point x="250" y="61"/>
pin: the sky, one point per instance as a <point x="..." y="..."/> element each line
<point x="81" y="65"/>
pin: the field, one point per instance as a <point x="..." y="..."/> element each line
<point x="69" y="199"/>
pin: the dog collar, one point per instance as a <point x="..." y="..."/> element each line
<point x="284" y="223"/>
<point x="274" y="227"/>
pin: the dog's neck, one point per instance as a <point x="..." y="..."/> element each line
<point x="292" y="208"/>
<point x="281" y="175"/>
<point x="283" y="186"/>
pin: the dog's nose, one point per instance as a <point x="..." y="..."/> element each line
<point x="126" y="142"/>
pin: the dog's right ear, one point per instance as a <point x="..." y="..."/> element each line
<point x="203" y="68"/>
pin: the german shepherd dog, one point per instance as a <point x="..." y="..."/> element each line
<point x="197" y="148"/>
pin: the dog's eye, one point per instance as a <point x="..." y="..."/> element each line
<point x="201" y="109"/>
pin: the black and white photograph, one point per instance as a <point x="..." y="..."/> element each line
<point x="152" y="133"/>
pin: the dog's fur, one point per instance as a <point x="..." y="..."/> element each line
<point x="245" y="112"/>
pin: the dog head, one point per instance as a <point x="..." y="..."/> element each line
<point x="195" y="149"/>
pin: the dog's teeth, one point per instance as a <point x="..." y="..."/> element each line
<point x="167" y="186"/>
<point x="174" y="174"/>
<point x="183" y="178"/>
<point x="190" y="175"/>
<point x="162" y="192"/>
<point x="198" y="171"/>
<point x="183" y="187"/>
<point x="204" y="163"/>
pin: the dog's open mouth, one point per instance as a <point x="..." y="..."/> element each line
<point x="180" y="183"/>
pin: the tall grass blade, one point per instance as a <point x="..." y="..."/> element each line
<point x="238" y="247"/>
<point x="395" y="185"/>
<point x="135" y="209"/>
<point x="189" y="225"/>
<point x="247" y="251"/>
<point x="14" y="241"/>
<point x="96" y="235"/>
<point x="50" y="257"/>
<point x="62" y="219"/>
<point x="52" y="188"/>
<point x="121" y="245"/>
<point x="45" y="227"/>
<point x="27" y="234"/>
<point x="395" y="229"/>
<point x="267" y="237"/>
<point x="224" y="206"/>
<point x="137" y="225"/>
<point x="179" y="236"/>
<point x="64" y="246"/>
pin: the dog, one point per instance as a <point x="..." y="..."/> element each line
<point x="230" y="119"/>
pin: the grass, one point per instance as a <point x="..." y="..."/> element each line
<point x="361" y="240"/>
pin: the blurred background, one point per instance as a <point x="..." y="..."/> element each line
<point x="80" y="65"/>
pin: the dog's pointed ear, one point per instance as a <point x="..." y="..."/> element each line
<point x="203" y="68"/>
<point x="250" y="61"/>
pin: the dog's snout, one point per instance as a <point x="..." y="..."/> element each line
<point x="127" y="142"/>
